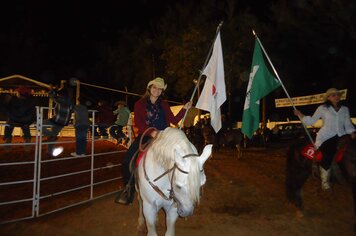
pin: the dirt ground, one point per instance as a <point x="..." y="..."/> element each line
<point x="241" y="197"/>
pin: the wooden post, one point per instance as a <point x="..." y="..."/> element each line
<point x="263" y="125"/>
<point x="77" y="95"/>
<point x="263" y="112"/>
<point x="198" y="90"/>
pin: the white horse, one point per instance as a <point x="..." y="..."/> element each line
<point x="169" y="177"/>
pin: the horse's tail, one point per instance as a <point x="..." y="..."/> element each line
<point x="290" y="180"/>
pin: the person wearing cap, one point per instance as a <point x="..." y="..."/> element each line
<point x="21" y="110"/>
<point x="151" y="111"/>
<point x="123" y="115"/>
<point x="336" y="123"/>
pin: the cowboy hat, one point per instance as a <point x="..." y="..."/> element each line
<point x="121" y="102"/>
<point x="331" y="91"/>
<point x="158" y="82"/>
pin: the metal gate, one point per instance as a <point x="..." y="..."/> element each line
<point x="34" y="184"/>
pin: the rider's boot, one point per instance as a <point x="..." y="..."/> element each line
<point x="131" y="196"/>
<point x="126" y="196"/>
<point x="324" y="177"/>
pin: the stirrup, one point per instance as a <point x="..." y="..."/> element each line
<point x="122" y="196"/>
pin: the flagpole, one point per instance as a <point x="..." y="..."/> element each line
<point x="285" y="90"/>
<point x="201" y="71"/>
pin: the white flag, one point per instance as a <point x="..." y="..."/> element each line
<point x="213" y="94"/>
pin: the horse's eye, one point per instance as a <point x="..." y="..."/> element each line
<point x="178" y="186"/>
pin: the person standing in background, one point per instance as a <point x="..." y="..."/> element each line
<point x="81" y="125"/>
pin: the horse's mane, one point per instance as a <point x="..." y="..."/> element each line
<point x="163" y="146"/>
<point x="164" y="153"/>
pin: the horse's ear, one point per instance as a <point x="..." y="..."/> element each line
<point x="179" y="151"/>
<point x="205" y="155"/>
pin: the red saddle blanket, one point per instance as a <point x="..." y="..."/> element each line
<point x="310" y="153"/>
<point x="139" y="158"/>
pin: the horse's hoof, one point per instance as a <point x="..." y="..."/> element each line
<point x="326" y="194"/>
<point x="299" y="214"/>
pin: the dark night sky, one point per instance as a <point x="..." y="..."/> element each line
<point x="68" y="29"/>
<point x="65" y="32"/>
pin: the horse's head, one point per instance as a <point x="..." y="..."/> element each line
<point x="187" y="179"/>
<point x="178" y="156"/>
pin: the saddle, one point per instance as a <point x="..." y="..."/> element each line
<point x="137" y="157"/>
<point x="310" y="153"/>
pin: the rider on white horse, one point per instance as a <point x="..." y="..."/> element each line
<point x="150" y="111"/>
<point x="169" y="178"/>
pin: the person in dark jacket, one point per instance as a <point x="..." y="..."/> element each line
<point x="62" y="113"/>
<point x="21" y="111"/>
<point x="104" y="120"/>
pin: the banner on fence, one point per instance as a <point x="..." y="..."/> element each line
<point x="306" y="100"/>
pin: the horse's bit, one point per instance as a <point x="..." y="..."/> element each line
<point x="171" y="191"/>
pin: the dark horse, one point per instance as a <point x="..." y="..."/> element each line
<point x="232" y="139"/>
<point x="299" y="168"/>
<point x="226" y="138"/>
<point x="201" y="135"/>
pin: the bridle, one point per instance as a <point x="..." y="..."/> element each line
<point x="144" y="148"/>
<point x="172" y="169"/>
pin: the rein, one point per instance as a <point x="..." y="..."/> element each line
<point x="149" y="143"/>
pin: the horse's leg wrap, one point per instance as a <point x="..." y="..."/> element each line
<point x="325" y="176"/>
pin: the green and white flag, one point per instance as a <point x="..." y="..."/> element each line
<point x="260" y="84"/>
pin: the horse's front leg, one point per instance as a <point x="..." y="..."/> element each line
<point x="150" y="213"/>
<point x="351" y="173"/>
<point x="141" y="219"/>
<point x="171" y="218"/>
<point x="238" y="150"/>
